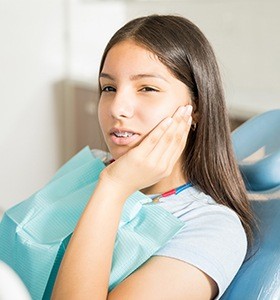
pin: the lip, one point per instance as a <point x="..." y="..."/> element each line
<point x="122" y="140"/>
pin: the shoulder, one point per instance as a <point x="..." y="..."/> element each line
<point x="213" y="238"/>
<point x="200" y="212"/>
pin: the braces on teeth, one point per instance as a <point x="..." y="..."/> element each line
<point x="123" y="134"/>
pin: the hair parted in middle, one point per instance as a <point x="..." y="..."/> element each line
<point x="209" y="160"/>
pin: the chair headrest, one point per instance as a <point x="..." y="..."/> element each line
<point x="257" y="148"/>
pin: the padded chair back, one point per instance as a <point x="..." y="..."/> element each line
<point x="257" y="147"/>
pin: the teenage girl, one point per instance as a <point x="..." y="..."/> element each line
<point x="163" y="116"/>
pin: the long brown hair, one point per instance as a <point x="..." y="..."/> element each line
<point x="209" y="159"/>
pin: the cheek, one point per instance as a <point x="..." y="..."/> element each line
<point x="167" y="109"/>
<point x="101" y="115"/>
<point x="152" y="116"/>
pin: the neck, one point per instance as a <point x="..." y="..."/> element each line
<point x="175" y="179"/>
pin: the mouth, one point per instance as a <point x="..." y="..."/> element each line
<point x="122" y="136"/>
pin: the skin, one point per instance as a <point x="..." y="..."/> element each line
<point x="138" y="92"/>
<point x="85" y="269"/>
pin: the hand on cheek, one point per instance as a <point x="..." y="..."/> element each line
<point x="170" y="147"/>
<point x="154" y="158"/>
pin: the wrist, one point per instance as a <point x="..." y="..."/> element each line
<point x="115" y="185"/>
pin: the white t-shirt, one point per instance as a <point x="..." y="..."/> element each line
<point x="213" y="238"/>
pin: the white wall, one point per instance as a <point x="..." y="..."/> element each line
<point x="91" y="25"/>
<point x="246" y="37"/>
<point x="31" y="60"/>
<point x="42" y="42"/>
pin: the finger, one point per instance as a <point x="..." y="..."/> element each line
<point x="173" y="135"/>
<point x="155" y="135"/>
<point x="180" y="136"/>
<point x="182" y="130"/>
<point x="174" y="138"/>
<point x="151" y="140"/>
<point x="175" y="149"/>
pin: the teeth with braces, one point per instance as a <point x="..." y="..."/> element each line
<point x="123" y="134"/>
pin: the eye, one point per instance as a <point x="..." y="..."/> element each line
<point x="148" y="89"/>
<point x="108" y="89"/>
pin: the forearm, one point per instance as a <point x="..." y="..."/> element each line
<point x="85" y="269"/>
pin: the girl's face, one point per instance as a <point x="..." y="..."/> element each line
<point x="138" y="92"/>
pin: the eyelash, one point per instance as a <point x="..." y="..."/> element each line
<point x="146" y="89"/>
<point x="108" y="89"/>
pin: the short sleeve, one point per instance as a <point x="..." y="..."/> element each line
<point x="213" y="240"/>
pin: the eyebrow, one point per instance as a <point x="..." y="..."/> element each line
<point x="134" y="77"/>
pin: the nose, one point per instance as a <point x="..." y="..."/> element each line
<point x="123" y="105"/>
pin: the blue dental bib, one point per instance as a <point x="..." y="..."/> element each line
<point x="35" y="233"/>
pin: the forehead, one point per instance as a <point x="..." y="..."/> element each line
<point x="133" y="58"/>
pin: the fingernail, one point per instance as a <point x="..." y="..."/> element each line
<point x="189" y="110"/>
<point x="182" y="110"/>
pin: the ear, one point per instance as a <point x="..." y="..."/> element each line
<point x="195" y="113"/>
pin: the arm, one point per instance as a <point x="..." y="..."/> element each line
<point x="86" y="265"/>
<point x="85" y="269"/>
<point x="165" y="278"/>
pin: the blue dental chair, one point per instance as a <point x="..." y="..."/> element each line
<point x="257" y="148"/>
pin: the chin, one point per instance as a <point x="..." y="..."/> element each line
<point x="119" y="150"/>
<point x="117" y="153"/>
